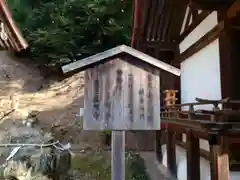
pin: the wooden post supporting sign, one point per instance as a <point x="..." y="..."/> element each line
<point x="118" y="155"/>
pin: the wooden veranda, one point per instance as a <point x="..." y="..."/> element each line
<point x="220" y="127"/>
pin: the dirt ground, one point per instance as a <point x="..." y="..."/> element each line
<point x="55" y="103"/>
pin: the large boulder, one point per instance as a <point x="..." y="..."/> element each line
<point x="28" y="162"/>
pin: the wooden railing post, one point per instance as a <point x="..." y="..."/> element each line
<point x="193" y="157"/>
<point x="158" y="145"/>
<point x="193" y="151"/>
<point x="171" y="153"/>
<point x="219" y="160"/>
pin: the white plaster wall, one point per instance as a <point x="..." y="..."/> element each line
<point x="181" y="161"/>
<point x="202" y="142"/>
<point x="200" y="74"/>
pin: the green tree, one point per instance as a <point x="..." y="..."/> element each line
<point x="60" y="31"/>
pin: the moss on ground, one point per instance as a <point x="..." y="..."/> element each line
<point x="92" y="164"/>
<point x="98" y="166"/>
<point x="135" y="167"/>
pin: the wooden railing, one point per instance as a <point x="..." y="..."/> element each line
<point x="214" y="121"/>
<point x="218" y="126"/>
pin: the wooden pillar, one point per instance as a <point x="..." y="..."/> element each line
<point x="158" y="145"/>
<point x="219" y="161"/>
<point x="193" y="157"/>
<point x="171" y="153"/>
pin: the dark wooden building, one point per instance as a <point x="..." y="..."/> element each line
<point x="201" y="37"/>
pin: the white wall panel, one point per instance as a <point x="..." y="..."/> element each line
<point x="200" y="75"/>
<point x="181" y="160"/>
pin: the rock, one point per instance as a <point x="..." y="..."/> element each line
<point x="63" y="158"/>
<point x="32" y="162"/>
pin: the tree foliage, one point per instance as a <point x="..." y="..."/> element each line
<point x="60" y="31"/>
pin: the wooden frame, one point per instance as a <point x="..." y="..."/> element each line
<point x="209" y="37"/>
<point x="212" y="4"/>
<point x="193" y="25"/>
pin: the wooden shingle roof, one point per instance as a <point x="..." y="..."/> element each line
<point x="11" y="37"/>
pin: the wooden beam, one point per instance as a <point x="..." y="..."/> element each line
<point x="194" y="12"/>
<point x="140" y="17"/>
<point x="233" y="10"/>
<point x="203" y="41"/>
<point x="167" y="46"/>
<point x="193" y="25"/>
<point x="227" y="59"/>
<point x="172" y="25"/>
<point x="188" y="18"/>
<point x="212" y="5"/>
<point x="145" y="17"/>
<point x="219" y="161"/>
<point x="183" y="129"/>
<point x="151" y="20"/>
<point x="157" y="19"/>
<point x="136" y="23"/>
<point x="193" y="157"/>
<point x="176" y="26"/>
<point x="169" y="15"/>
<point x="163" y="25"/>
<point x="171" y="153"/>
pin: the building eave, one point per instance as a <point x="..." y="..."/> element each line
<point x="15" y="34"/>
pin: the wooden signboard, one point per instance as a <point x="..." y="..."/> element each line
<point x="121" y="93"/>
<point x="121" y="89"/>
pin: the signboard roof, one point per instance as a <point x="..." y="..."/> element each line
<point x="92" y="60"/>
